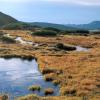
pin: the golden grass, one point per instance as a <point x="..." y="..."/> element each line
<point x="48" y="91"/>
<point x="74" y="70"/>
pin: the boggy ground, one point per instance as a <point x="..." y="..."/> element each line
<point x="77" y="73"/>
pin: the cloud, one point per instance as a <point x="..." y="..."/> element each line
<point x="79" y="2"/>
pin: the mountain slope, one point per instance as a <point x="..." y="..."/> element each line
<point x="6" y="19"/>
<point x="90" y="26"/>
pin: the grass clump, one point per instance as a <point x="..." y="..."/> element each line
<point x="65" y="47"/>
<point x="2" y="33"/>
<point x="49" y="91"/>
<point x="45" y="33"/>
<point x="48" y="70"/>
<point x="69" y="91"/>
<point x="34" y="88"/>
<point x="7" y="39"/>
<point x="56" y="82"/>
<point x="49" y="77"/>
<point x="4" y="97"/>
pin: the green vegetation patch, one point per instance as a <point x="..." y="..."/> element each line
<point x="45" y="33"/>
<point x="76" y="32"/>
<point x="7" y="39"/>
<point x="52" y="29"/>
<point x="17" y="26"/>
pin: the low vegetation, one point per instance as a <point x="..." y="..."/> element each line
<point x="48" y="77"/>
<point x="61" y="46"/>
<point x="49" y="70"/>
<point x="52" y="29"/>
<point x="7" y="39"/>
<point x="18" y="26"/>
<point x="4" y="97"/>
<point x="45" y="33"/>
<point x="34" y="88"/>
<point x="68" y="91"/>
<point x="49" y="91"/>
<point x="76" y="32"/>
<point x="56" y="82"/>
<point x="1" y="33"/>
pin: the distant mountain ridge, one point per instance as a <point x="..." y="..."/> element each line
<point x="95" y="25"/>
<point x="6" y="19"/>
<point x="58" y="26"/>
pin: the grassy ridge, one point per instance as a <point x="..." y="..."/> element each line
<point x="5" y="19"/>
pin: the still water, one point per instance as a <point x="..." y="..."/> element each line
<point x="16" y="75"/>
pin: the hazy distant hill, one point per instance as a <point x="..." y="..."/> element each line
<point x="58" y="26"/>
<point x="6" y="19"/>
<point x="90" y="26"/>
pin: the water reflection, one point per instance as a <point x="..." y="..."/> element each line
<point x="17" y="75"/>
<point x="79" y="48"/>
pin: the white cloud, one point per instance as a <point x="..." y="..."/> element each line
<point x="80" y="2"/>
<point x="15" y="1"/>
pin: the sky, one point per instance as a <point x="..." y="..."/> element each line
<point x="53" y="11"/>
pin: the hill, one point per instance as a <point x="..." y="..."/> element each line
<point x="58" y="26"/>
<point x="6" y="19"/>
<point x="18" y="26"/>
<point x="95" y="25"/>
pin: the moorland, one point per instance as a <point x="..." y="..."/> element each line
<point x="77" y="72"/>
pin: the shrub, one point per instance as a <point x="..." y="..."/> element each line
<point x="76" y="32"/>
<point x="2" y="33"/>
<point x="7" y="39"/>
<point x="65" y="47"/>
<point x="48" y="70"/>
<point x="45" y="33"/>
<point x="34" y="88"/>
<point x="48" y="91"/>
<point x="52" y="29"/>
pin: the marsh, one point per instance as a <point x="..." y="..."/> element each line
<point x="16" y="75"/>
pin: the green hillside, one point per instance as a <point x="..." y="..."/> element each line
<point x="6" y="19"/>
